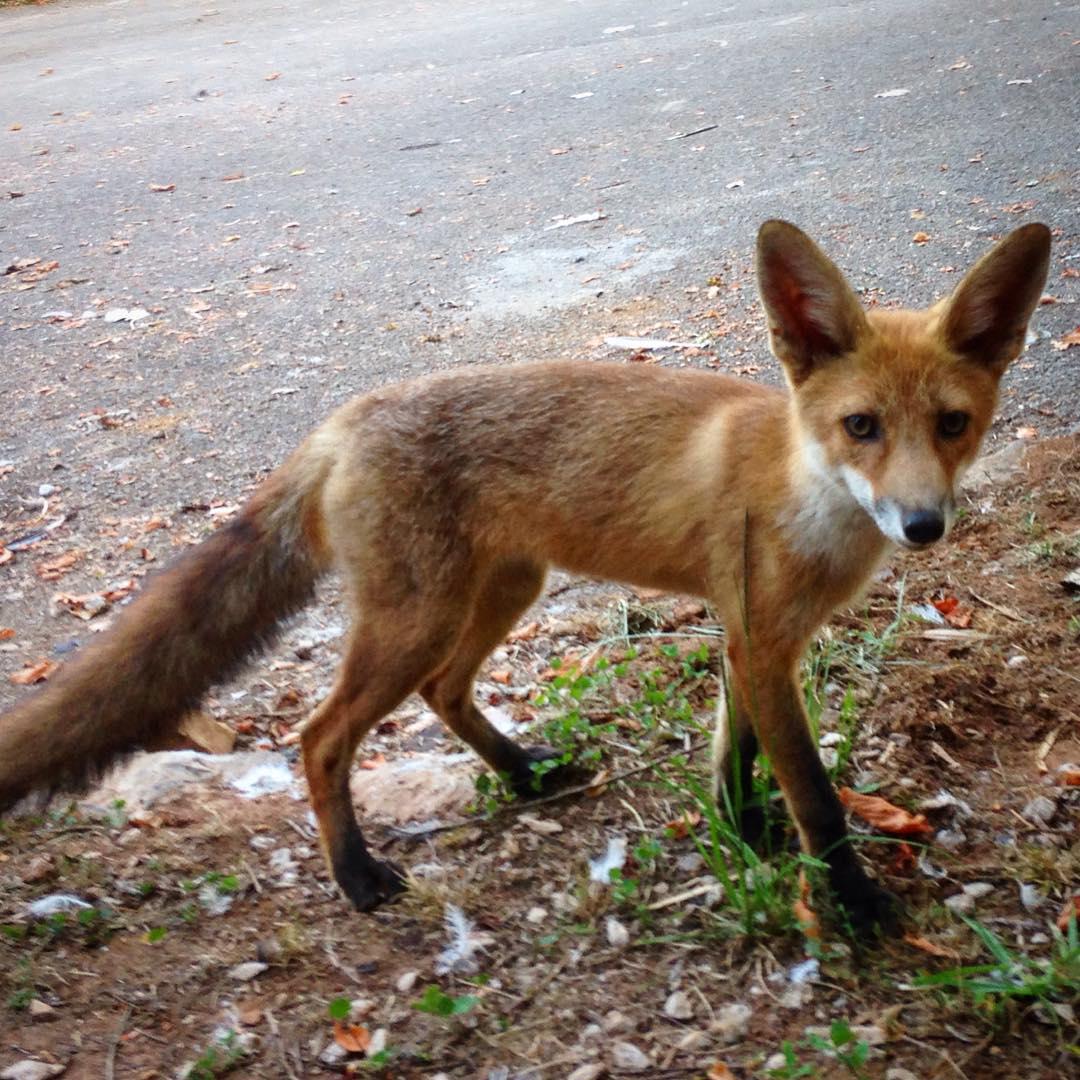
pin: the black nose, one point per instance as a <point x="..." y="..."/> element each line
<point x="923" y="526"/>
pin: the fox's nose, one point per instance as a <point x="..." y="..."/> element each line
<point x="923" y="526"/>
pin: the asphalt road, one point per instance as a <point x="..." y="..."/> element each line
<point x="304" y="200"/>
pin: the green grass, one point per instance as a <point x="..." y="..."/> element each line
<point x="1012" y="979"/>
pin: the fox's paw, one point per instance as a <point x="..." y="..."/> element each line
<point x="370" y="883"/>
<point x="530" y="781"/>
<point x="871" y="909"/>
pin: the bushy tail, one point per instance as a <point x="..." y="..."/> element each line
<point x="193" y="626"/>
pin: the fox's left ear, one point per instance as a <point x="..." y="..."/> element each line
<point x="986" y="317"/>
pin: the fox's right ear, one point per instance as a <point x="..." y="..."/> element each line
<point x="812" y="313"/>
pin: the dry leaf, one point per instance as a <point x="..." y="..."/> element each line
<point x="525" y="633"/>
<point x="58" y="567"/>
<point x="38" y="673"/>
<point x="1070" y="911"/>
<point x="352" y="1037"/>
<point x="272" y="76"/>
<point x="804" y="913"/>
<point x="904" y="861"/>
<point x="500" y="677"/>
<point x="681" y="827"/>
<point x="232" y="177"/>
<point x="162" y="187"/>
<point x="6" y="633"/>
<point x="883" y="815"/>
<point x="5" y="555"/>
<point x="920" y="238"/>
<point x="930" y="947"/>
<point x="377" y="761"/>
<point x="1067" y="341"/>
<point x="719" y="1071"/>
<point x="557" y="151"/>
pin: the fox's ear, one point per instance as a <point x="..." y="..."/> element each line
<point x="986" y="318"/>
<point x="812" y="313"/>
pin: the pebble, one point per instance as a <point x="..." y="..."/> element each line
<point x="587" y="1072"/>
<point x="978" y="889"/>
<point x="1040" y="810"/>
<point x="731" y="1022"/>
<point x="45" y="490"/>
<point x="360" y="1007"/>
<point x="617" y="935"/>
<point x="333" y="1055"/>
<point x="692" y="1042"/>
<point x="38" y="869"/>
<point x="679" y="1006"/>
<point x="615" y="1021"/>
<point x="896" y="1073"/>
<point x="960" y="904"/>
<point x="406" y="982"/>
<point x="41" y="1010"/>
<point x="247" y="972"/>
<point x="30" y="1069"/>
<point x="536" y="915"/>
<point x="625" y="1055"/>
<point x="950" y="839"/>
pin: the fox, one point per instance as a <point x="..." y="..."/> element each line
<point x="443" y="501"/>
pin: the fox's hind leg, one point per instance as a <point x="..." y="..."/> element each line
<point x="507" y="590"/>
<point x="393" y="649"/>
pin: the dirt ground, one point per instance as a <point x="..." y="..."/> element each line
<point x="971" y="717"/>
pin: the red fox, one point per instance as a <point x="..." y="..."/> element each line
<point x="442" y="502"/>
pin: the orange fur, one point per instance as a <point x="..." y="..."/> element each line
<point x="443" y="501"/>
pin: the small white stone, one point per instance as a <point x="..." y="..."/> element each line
<point x="617" y="935"/>
<point x="536" y="915"/>
<point x="1040" y="810"/>
<point x="731" y="1022"/>
<point x="31" y="1070"/>
<point x="625" y="1055"/>
<point x="978" y="889"/>
<point x="775" y="1063"/>
<point x="45" y="490"/>
<point x="960" y="904"/>
<point x="361" y="1007"/>
<point x="41" y="1010"/>
<point x="615" y="1021"/>
<point x="406" y="982"/>
<point x="247" y="972"/>
<point x="679" y="1006"/>
<point x="333" y="1055"/>
<point x="586" y="1072"/>
<point x="378" y="1042"/>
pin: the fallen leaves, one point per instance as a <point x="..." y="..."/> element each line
<point x="955" y="614"/>
<point x="920" y="238"/>
<point x="162" y="187"/>
<point x="883" y="815"/>
<point x="927" y="946"/>
<point x="36" y="673"/>
<point x="1066" y="341"/>
<point x="804" y="914"/>
<point x="1069" y="912"/>
<point x="354" y="1038"/>
<point x="53" y="569"/>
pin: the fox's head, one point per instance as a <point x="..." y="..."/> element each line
<point x="893" y="404"/>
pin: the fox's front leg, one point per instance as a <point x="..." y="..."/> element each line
<point x="769" y="691"/>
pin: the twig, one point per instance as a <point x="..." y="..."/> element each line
<point x="529" y="804"/>
<point x="251" y="874"/>
<point x="114" y="1042"/>
<point x="1007" y="612"/>
<point x="272" y="1023"/>
<point x="940" y="1053"/>
<point x="332" y="957"/>
<point x="696" y="131"/>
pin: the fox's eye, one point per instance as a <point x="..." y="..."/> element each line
<point x="862" y="426"/>
<point x="952" y="424"/>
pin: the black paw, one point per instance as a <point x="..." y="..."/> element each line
<point x="870" y="909"/>
<point x="370" y="883"/>
<point x="527" y="782"/>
